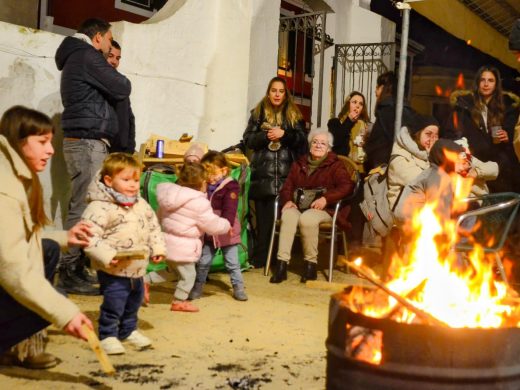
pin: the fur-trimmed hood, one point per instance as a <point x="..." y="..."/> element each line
<point x="463" y="98"/>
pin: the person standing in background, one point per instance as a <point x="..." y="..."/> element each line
<point x="125" y="139"/>
<point x="89" y="89"/>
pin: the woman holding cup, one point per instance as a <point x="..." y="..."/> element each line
<point x="486" y="116"/>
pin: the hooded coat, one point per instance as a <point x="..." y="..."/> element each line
<point x="118" y="228"/>
<point x="480" y="141"/>
<point x="90" y="88"/>
<point x="185" y="215"/>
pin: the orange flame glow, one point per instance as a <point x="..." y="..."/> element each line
<point x="460" y="290"/>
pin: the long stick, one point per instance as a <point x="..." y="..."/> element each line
<point x="403" y="301"/>
<point x="101" y="355"/>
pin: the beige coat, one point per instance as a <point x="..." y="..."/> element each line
<point x="119" y="229"/>
<point x="408" y="162"/>
<point x="21" y="255"/>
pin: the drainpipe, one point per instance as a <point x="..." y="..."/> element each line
<point x="402" y="65"/>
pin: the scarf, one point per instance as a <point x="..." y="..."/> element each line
<point x="122" y="200"/>
<point x="313" y="164"/>
<point x="212" y="187"/>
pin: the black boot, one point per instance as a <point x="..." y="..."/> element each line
<point x="280" y="273"/>
<point x="82" y="273"/>
<point x="69" y="282"/>
<point x="310" y="272"/>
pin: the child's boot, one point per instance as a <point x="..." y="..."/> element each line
<point x="196" y="291"/>
<point x="239" y="293"/>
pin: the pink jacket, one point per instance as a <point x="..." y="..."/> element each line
<point x="185" y="215"/>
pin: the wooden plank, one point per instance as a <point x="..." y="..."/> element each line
<point x="101" y="355"/>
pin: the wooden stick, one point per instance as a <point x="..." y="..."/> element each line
<point x="321" y="284"/>
<point x="101" y="355"/>
<point x="403" y="301"/>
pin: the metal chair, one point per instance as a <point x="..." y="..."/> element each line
<point x="491" y="221"/>
<point x="328" y="230"/>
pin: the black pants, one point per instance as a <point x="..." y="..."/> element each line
<point x="16" y="321"/>
<point x="264" y="210"/>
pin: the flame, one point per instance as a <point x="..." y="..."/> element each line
<point x="461" y="84"/>
<point x="460" y="290"/>
<point x="438" y="90"/>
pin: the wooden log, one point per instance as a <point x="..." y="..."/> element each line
<point x="101" y="355"/>
<point x="368" y="274"/>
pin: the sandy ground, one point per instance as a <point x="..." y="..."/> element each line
<point x="273" y="341"/>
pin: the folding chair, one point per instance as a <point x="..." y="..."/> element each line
<point x="328" y="230"/>
<point x="492" y="222"/>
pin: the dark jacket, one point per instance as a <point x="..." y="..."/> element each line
<point x="480" y="142"/>
<point x="224" y="202"/>
<point x="330" y="174"/>
<point x="89" y="88"/>
<point x="125" y="138"/>
<point x="341" y="133"/>
<point x="378" y="146"/>
<point x="269" y="169"/>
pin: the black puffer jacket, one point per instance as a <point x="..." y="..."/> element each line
<point x="90" y="87"/>
<point x="270" y="169"/>
<point x="379" y="143"/>
<point x="480" y="142"/>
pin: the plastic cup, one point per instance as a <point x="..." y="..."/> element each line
<point x="494" y="134"/>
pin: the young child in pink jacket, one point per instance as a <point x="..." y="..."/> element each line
<point x="185" y="215"/>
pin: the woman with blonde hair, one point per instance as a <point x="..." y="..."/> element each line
<point x="28" y="301"/>
<point x="276" y="135"/>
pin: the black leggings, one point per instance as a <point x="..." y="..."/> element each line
<point x="16" y="321"/>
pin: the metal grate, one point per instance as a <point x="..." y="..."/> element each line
<point x="499" y="14"/>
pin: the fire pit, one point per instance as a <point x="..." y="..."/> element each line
<point x="424" y="357"/>
<point x="439" y="320"/>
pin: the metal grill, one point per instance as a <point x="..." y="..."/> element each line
<point x="356" y="67"/>
<point x="499" y="14"/>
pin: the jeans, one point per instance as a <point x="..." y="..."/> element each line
<point x="231" y="262"/>
<point x="122" y="298"/>
<point x="16" y="321"/>
<point x="264" y="212"/>
<point x="84" y="158"/>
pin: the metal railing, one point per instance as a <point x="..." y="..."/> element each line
<point x="355" y="68"/>
<point x="301" y="38"/>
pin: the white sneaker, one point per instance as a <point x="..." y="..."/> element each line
<point x="138" y="340"/>
<point x="112" y="346"/>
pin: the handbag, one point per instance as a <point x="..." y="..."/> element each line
<point x="303" y="197"/>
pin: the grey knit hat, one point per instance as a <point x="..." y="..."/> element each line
<point x="514" y="38"/>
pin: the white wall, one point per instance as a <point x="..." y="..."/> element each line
<point x="350" y="23"/>
<point x="197" y="66"/>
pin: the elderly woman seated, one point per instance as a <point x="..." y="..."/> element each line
<point x="320" y="172"/>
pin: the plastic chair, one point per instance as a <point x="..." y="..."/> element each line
<point x="489" y="224"/>
<point x="328" y="230"/>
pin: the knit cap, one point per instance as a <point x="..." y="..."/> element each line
<point x="419" y="122"/>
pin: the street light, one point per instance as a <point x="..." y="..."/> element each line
<point x="405" y="7"/>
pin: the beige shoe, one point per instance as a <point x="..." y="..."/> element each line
<point x="112" y="346"/>
<point x="38" y="362"/>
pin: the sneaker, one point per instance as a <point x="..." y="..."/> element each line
<point x="138" y="340"/>
<point x="112" y="346"/>
<point x="239" y="293"/>
<point x="184" y="306"/>
<point x="38" y="362"/>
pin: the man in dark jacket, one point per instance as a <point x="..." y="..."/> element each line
<point x="89" y="88"/>
<point x="125" y="139"/>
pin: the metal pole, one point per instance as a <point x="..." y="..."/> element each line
<point x="402" y="66"/>
<point x="322" y="61"/>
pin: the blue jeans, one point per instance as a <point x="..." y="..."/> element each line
<point x="231" y="262"/>
<point x="122" y="298"/>
<point x="16" y="321"/>
<point x="83" y="158"/>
